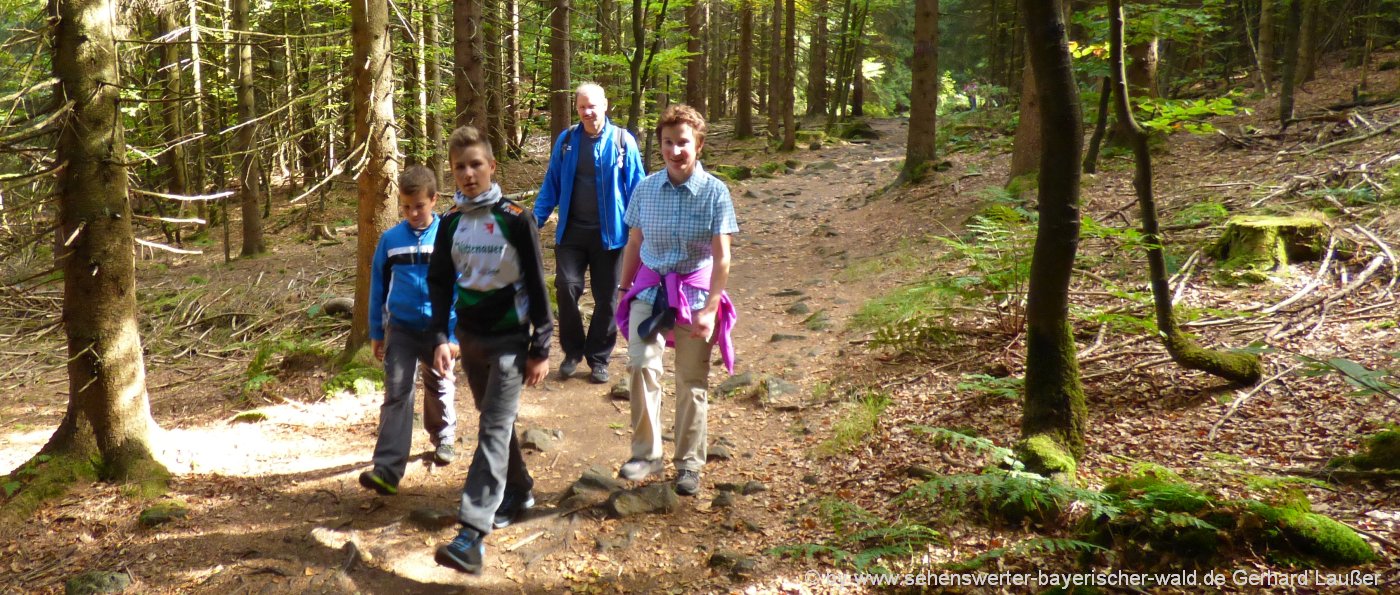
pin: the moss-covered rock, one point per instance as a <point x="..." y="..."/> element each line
<point x="1382" y="452"/>
<point x="1042" y="455"/>
<point x="732" y="172"/>
<point x="1310" y="534"/>
<point x="858" y="129"/>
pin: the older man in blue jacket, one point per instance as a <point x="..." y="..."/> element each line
<point x="592" y="170"/>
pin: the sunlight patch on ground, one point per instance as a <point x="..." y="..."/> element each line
<point x="20" y="446"/>
<point x="248" y="449"/>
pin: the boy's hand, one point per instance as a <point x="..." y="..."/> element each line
<point x="378" y="347"/>
<point x="535" y="370"/>
<point x="442" y="360"/>
<point x="702" y="325"/>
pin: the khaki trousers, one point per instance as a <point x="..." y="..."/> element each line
<point x="692" y="392"/>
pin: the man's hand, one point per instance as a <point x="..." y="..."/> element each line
<point x="456" y="350"/>
<point x="442" y="360"/>
<point x="378" y="346"/>
<point x="535" y="370"/>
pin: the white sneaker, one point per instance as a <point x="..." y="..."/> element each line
<point x="639" y="469"/>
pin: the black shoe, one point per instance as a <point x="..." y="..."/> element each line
<point x="372" y="480"/>
<point x="599" y="375"/>
<point x="512" y="506"/>
<point x="466" y="552"/>
<point x="568" y="367"/>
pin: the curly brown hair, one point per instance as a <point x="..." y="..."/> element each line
<point x="680" y="113"/>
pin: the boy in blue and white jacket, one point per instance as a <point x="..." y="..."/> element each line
<point x="407" y="338"/>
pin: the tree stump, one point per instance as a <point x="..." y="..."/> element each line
<point x="1255" y="245"/>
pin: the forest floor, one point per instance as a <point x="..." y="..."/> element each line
<point x="274" y="505"/>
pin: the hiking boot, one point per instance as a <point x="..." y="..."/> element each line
<point x="512" y="506"/>
<point x="466" y="552"/>
<point x="639" y="469"/>
<point x="444" y="454"/>
<point x="568" y="367"/>
<point x="599" y="375"/>
<point x="371" y="480"/>
<point x="687" y="482"/>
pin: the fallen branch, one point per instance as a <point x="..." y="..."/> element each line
<point x="1394" y="265"/>
<point x="1235" y="406"/>
<point x="1312" y="283"/>
<point x="1354" y="139"/>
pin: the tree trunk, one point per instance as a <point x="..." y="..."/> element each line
<point x="816" y="77"/>
<point x="1142" y="71"/>
<point x="1290" y="64"/>
<point x="414" y="87"/>
<point x="433" y="151"/>
<point x="109" y="414"/>
<point x="561" y="96"/>
<point x="495" y="82"/>
<point x="761" y="51"/>
<point x="202" y="208"/>
<point x="1307" y="46"/>
<point x="178" y="183"/>
<point x="1091" y="157"/>
<point x="717" y="55"/>
<point x="790" y="79"/>
<point x="634" y="111"/>
<point x="375" y="142"/>
<point x="248" y="168"/>
<point x="1054" y="402"/>
<point x="923" y="93"/>
<point x="1025" y="147"/>
<point x="839" y="87"/>
<point x="775" y="68"/>
<point x="1237" y="367"/>
<point x="695" y="63"/>
<point x="1266" y="42"/>
<point x="512" y="105"/>
<point x="469" y="73"/>
<point x="743" y="111"/>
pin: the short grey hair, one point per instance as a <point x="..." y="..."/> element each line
<point x="590" y="87"/>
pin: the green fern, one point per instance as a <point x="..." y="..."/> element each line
<point x="1028" y="547"/>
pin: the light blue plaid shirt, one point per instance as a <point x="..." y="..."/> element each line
<point x="679" y="223"/>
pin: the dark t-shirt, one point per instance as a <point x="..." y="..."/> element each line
<point x="583" y="205"/>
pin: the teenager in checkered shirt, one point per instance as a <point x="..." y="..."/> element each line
<point x="674" y="272"/>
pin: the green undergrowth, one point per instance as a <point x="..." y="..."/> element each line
<point x="357" y="373"/>
<point x="855" y="426"/>
<point x="1147" y="518"/>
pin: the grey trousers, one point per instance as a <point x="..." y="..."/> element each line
<point x="692" y="392"/>
<point x="404" y="351"/>
<point x="495" y="369"/>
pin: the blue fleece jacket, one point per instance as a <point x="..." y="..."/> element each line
<point x="614" y="181"/>
<point x="399" y="281"/>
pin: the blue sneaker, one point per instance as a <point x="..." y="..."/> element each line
<point x="512" y="506"/>
<point x="466" y="552"/>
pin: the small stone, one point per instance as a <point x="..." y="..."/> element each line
<point x="811" y="479"/>
<point x="595" y="479"/>
<point x="753" y="487"/>
<point x="606" y="544"/>
<point x="734" y="383"/>
<point x="728" y="487"/>
<point x="161" y="514"/>
<point x="432" y="519"/>
<point x="799" y="308"/>
<point x="785" y="337"/>
<point x="817" y="322"/>
<point x="920" y="472"/>
<point x="718" y="452"/>
<point x="723" y="500"/>
<point x="725" y="559"/>
<point x="541" y="439"/>
<point x="789" y="293"/>
<point x="620" y="392"/>
<point x="89" y="583"/>
<point x="657" y="497"/>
